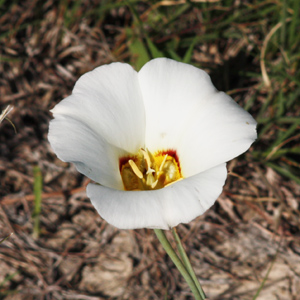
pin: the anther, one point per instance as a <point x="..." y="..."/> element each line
<point x="135" y="169"/>
<point x="163" y="162"/>
<point x="153" y="185"/>
<point x="148" y="161"/>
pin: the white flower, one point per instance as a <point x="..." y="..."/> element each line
<point x="156" y="142"/>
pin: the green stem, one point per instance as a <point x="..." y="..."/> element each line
<point x="186" y="262"/>
<point x="178" y="263"/>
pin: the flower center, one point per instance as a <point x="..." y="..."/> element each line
<point x="150" y="172"/>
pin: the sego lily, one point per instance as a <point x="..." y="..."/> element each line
<point x="155" y="142"/>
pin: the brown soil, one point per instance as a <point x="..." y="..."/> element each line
<point x="254" y="224"/>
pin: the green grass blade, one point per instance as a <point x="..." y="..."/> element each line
<point x="8" y="278"/>
<point x="139" y="53"/>
<point x="283" y="21"/>
<point x="267" y="275"/>
<point x="289" y="132"/>
<point x="153" y="49"/>
<point x="7" y="237"/>
<point x="293" y="29"/>
<point x="172" y="53"/>
<point x="284" y="171"/>
<point x="37" y="190"/>
<point x="189" y="53"/>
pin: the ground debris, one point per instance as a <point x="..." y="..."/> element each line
<point x="44" y="47"/>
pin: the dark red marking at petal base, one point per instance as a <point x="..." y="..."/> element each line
<point x="124" y="160"/>
<point x="172" y="153"/>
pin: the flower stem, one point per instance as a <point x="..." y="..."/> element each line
<point x="178" y="263"/>
<point x="186" y="262"/>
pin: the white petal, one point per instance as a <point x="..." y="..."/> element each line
<point x="178" y="203"/>
<point x="221" y="131"/>
<point x="109" y="101"/>
<point x="186" y="113"/>
<point x="74" y="141"/>
<point x="172" y="91"/>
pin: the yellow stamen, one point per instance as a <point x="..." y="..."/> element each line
<point x="145" y="171"/>
<point x="146" y="157"/>
<point x="148" y="162"/>
<point x="163" y="162"/>
<point x="135" y="169"/>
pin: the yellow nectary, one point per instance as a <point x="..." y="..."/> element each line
<point x="150" y="172"/>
